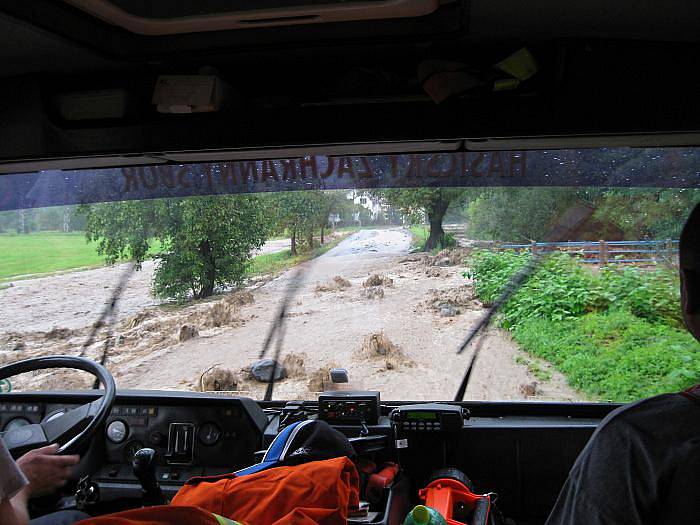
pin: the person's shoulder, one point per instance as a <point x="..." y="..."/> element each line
<point x="658" y="414"/>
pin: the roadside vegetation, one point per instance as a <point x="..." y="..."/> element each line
<point x="200" y="244"/>
<point x="616" y="334"/>
<point x="420" y="235"/>
<point x="46" y="253"/>
<point x="271" y="263"/>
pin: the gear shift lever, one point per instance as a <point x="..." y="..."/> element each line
<point x="144" y="467"/>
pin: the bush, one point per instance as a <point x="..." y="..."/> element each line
<point x="616" y="355"/>
<point x="651" y="295"/>
<point x="562" y="288"/>
<point x="559" y="289"/>
<point x="616" y="334"/>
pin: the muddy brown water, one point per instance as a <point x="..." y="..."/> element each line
<point x="323" y="329"/>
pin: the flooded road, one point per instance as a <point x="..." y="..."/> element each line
<point x="332" y="318"/>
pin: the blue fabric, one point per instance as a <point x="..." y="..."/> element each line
<point x="63" y="517"/>
<point x="273" y="454"/>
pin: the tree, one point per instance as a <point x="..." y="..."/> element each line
<point x="431" y="201"/>
<point x="203" y="242"/>
<point x="648" y="213"/>
<point x="301" y="213"/>
<point x="517" y="214"/>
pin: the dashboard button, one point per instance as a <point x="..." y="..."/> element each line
<point x="117" y="431"/>
<point x="156" y="438"/>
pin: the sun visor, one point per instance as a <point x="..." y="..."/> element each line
<point x="620" y="167"/>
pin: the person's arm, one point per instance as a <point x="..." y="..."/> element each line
<point x="614" y="479"/>
<point x="13" y="490"/>
<point x="45" y="470"/>
<point x="14" y="510"/>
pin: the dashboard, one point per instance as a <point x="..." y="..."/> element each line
<point x="521" y="450"/>
<point x="192" y="434"/>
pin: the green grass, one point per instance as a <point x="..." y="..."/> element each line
<point x="616" y="334"/>
<point x="534" y="368"/>
<point x="420" y="235"/>
<point x="280" y="261"/>
<point x="37" y="254"/>
<point x="615" y="356"/>
<point x="46" y="252"/>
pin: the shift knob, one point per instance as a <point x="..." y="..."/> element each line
<point x="144" y="466"/>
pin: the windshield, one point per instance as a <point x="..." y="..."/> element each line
<point x="557" y="269"/>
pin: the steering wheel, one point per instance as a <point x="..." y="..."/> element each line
<point x="74" y="428"/>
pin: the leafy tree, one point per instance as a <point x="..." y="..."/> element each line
<point x="301" y="213"/>
<point x="645" y="213"/>
<point x="517" y="214"/>
<point x="296" y="212"/>
<point x="434" y="202"/>
<point x="205" y="242"/>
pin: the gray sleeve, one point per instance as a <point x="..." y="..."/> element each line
<point x="12" y="479"/>
<point x="612" y="482"/>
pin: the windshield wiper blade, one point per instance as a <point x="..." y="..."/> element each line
<point x="108" y="312"/>
<point x="567" y="223"/>
<point x="513" y="285"/>
<point x="278" y="326"/>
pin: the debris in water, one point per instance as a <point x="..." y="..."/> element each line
<point x="373" y="292"/>
<point x="450" y="257"/>
<point x="320" y="380"/>
<point x="379" y="346"/>
<point x="187" y="332"/>
<point x="216" y="379"/>
<point x="336" y="284"/>
<point x="58" y="333"/>
<point x="221" y="313"/>
<point x="530" y="389"/>
<point x="139" y="318"/>
<point x="378" y="280"/>
<point x="448" y="311"/>
<point x="294" y="364"/>
<point x="262" y="369"/>
<point x="432" y="271"/>
<point x="239" y="298"/>
<point x="450" y="302"/>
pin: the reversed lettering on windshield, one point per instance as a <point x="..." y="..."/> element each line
<point x="623" y="167"/>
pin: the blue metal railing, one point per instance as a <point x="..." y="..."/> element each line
<point x="603" y="252"/>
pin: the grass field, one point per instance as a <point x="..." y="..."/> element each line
<point x="36" y="254"/>
<point x="46" y="252"/>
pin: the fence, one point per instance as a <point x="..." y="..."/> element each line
<point x="605" y="252"/>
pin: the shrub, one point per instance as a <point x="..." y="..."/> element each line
<point x="558" y="289"/>
<point x="616" y="334"/>
<point x="652" y="295"/>
<point x="615" y="355"/>
<point x="562" y="288"/>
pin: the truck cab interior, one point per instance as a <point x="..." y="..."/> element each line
<point x="96" y="86"/>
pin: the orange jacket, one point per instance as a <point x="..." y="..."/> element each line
<point x="320" y="492"/>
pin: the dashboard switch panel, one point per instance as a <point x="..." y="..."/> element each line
<point x="180" y="444"/>
<point x="349" y="407"/>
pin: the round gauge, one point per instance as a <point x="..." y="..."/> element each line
<point x="16" y="423"/>
<point x="53" y="415"/>
<point x="209" y="433"/>
<point x="131" y="448"/>
<point x="117" y="431"/>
